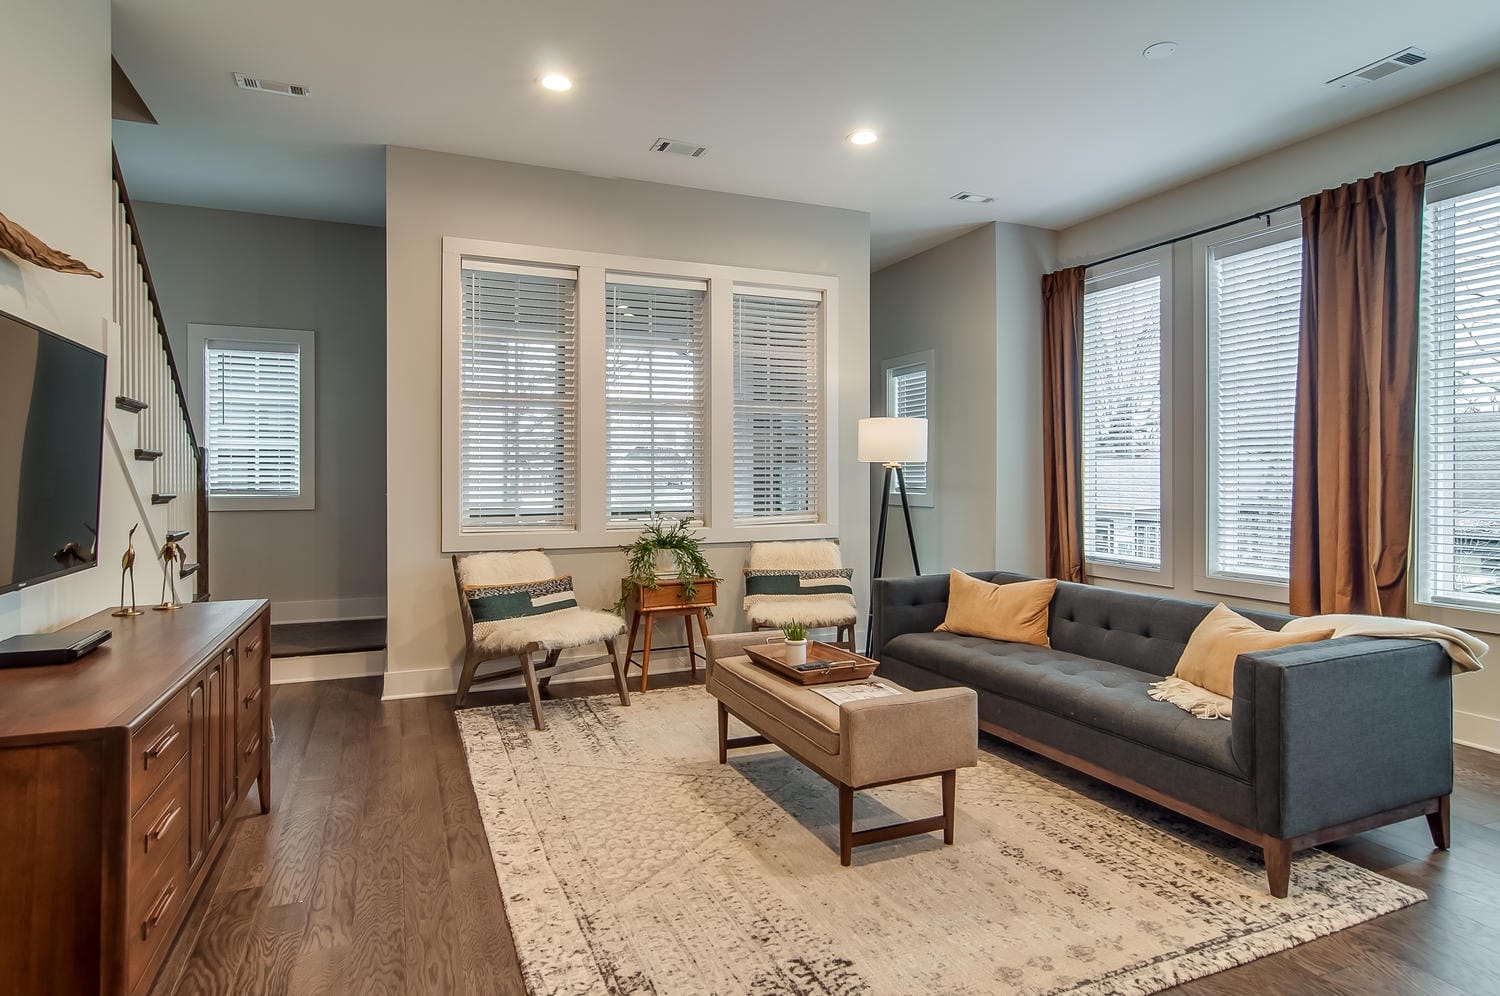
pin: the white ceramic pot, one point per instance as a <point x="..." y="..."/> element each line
<point x="796" y="653"/>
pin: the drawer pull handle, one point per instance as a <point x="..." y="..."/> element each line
<point x="163" y="824"/>
<point x="250" y="650"/>
<point x="229" y="653"/>
<point x="252" y="696"/>
<point x="159" y="910"/>
<point x="253" y="747"/>
<point x="166" y="740"/>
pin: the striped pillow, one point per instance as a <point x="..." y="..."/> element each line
<point x="496" y="603"/>
<point x="835" y="581"/>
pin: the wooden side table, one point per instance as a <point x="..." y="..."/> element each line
<point x="666" y="601"/>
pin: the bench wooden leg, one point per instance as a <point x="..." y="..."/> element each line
<point x="950" y="807"/>
<point x="846" y="825"/>
<point x="1440" y="824"/>
<point x="1278" y="866"/>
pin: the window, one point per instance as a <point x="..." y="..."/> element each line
<point x="1121" y="415"/>
<point x="907" y="385"/>
<point x="778" y="406"/>
<point x="253" y="390"/>
<point x="655" y="418"/>
<point x="1254" y="302"/>
<point x="1458" y="486"/>
<point x="517" y="397"/>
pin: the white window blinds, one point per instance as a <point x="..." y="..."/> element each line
<point x="906" y="397"/>
<point x="517" y="397"/>
<point x="1122" y="420"/>
<point x="253" y="414"/>
<point x="778" y="407"/>
<point x="1458" y="487"/>
<point x="655" y="413"/>
<point x="1255" y="290"/>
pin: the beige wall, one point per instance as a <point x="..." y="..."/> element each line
<point x="1452" y="119"/>
<point x="55" y="181"/>
<point x="975" y="301"/>
<point x="430" y="195"/>
<point x="263" y="271"/>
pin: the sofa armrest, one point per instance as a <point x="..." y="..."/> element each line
<point x="909" y="735"/>
<point x="906" y="605"/>
<point x="1342" y="729"/>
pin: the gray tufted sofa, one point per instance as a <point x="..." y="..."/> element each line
<point x="1328" y="739"/>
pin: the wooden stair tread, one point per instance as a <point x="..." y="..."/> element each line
<point x="129" y="404"/>
<point x="161" y="498"/>
<point x="187" y="570"/>
<point x="142" y="454"/>
<point x="177" y="535"/>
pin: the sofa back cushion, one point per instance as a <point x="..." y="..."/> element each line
<point x="1136" y="630"/>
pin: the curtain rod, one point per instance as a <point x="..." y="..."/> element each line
<point x="1266" y="213"/>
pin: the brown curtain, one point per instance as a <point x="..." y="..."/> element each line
<point x="1062" y="428"/>
<point x="1356" y="395"/>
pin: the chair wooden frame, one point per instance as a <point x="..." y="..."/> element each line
<point x="475" y="655"/>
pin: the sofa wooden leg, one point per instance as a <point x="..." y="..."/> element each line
<point x="1278" y="866"/>
<point x="1439" y="824"/>
<point x="950" y="808"/>
<point x="846" y="825"/>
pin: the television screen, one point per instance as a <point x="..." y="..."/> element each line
<point x="51" y="447"/>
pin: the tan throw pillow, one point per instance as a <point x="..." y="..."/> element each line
<point x="1220" y="638"/>
<point x="1015" y="612"/>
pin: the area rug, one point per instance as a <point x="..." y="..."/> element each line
<point x="630" y="861"/>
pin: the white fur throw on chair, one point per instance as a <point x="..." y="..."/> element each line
<point x="823" y="609"/>
<point x="530" y="574"/>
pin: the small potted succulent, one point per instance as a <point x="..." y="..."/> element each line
<point x="796" y="644"/>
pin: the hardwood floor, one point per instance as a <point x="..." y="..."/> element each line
<point x="372" y="874"/>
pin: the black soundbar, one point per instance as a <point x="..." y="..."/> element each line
<point x="36" y="649"/>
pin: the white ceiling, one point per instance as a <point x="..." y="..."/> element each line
<point x="1047" y="106"/>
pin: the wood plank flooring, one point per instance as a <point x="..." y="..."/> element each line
<point x="372" y="873"/>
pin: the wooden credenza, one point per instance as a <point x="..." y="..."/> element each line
<point x="119" y="775"/>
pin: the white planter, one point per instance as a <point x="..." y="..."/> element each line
<point x="796" y="653"/>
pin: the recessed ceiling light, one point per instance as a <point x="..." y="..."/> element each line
<point x="1159" y="51"/>
<point x="556" y="82"/>
<point x="864" y="136"/>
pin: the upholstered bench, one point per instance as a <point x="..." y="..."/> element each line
<point x="856" y="745"/>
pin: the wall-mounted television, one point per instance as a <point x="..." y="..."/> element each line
<point x="51" y="452"/>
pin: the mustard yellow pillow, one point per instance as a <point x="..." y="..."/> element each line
<point x="1220" y="638"/>
<point x="1015" y="612"/>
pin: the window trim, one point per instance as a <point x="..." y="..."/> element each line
<point x="927" y="360"/>
<point x="593" y="530"/>
<point x="1455" y="178"/>
<point x="199" y="335"/>
<point x="1278" y="223"/>
<point x="1119" y="272"/>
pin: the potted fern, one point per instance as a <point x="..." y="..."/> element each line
<point x="666" y="565"/>
<point x="796" y="644"/>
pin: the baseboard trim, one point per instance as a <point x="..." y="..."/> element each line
<point x="328" y="609"/>
<point x="327" y="667"/>
<point x="428" y="682"/>
<point x="1473" y="730"/>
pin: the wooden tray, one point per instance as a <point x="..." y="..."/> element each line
<point x="837" y="664"/>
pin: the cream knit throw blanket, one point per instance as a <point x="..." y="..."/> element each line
<point x="1464" y="650"/>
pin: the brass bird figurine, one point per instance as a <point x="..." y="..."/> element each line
<point x="127" y="567"/>
<point x="171" y="553"/>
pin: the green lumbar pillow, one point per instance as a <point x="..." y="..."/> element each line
<point x="492" y="603"/>
<point x="835" y="581"/>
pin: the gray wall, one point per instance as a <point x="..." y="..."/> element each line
<point x="431" y="195"/>
<point x="976" y="302"/>
<point x="263" y="271"/>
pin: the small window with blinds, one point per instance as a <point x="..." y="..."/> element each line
<point x="907" y="386"/>
<point x="252" y="390"/>
<point x="655" y="399"/>
<point x="1458" y="478"/>
<point x="517" y="397"/>
<point x="1121" y="418"/>
<point x="778" y="406"/>
<point x="1254" y="302"/>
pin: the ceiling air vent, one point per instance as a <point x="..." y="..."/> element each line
<point x="1381" y="69"/>
<point x="967" y="197"/>
<point x="271" y="86"/>
<point x="676" y="148"/>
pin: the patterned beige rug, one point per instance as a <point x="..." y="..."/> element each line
<point x="632" y="862"/>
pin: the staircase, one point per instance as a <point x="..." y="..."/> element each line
<point x="148" y="424"/>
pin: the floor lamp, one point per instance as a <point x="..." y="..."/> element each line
<point x="892" y="442"/>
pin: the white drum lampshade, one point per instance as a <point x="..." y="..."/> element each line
<point x="892" y="440"/>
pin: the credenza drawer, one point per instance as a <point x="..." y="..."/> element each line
<point x="156" y="748"/>
<point x="249" y="689"/>
<point x="160" y="827"/>
<point x="156" y="904"/>
<point x="247" y="761"/>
